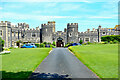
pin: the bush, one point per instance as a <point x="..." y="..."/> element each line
<point x="88" y="42"/>
<point x="106" y="42"/>
<point x="2" y="45"/>
<point x="54" y="43"/>
<point x="85" y="43"/>
<point x="52" y="46"/>
<point x="45" y="43"/>
<point x="102" y="42"/>
<point x="49" y="43"/>
<point x="67" y="45"/>
<point x="111" y="42"/>
<point x="110" y="38"/>
<point x="11" y="48"/>
<point x="42" y="45"/>
<point x="81" y="41"/>
<point x="115" y="41"/>
<point x="37" y="44"/>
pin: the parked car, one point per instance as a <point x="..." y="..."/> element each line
<point x="74" y="44"/>
<point x="47" y="45"/>
<point x="29" y="46"/>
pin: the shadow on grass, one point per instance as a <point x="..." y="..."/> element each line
<point x="29" y="75"/>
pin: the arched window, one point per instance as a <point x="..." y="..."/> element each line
<point x="70" y="35"/>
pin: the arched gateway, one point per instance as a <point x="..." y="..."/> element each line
<point x="60" y="42"/>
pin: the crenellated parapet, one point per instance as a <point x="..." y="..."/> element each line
<point x="6" y="23"/>
<point x="23" y="25"/>
<point x="72" y="24"/>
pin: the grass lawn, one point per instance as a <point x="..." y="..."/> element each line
<point x="20" y="63"/>
<point x="100" y="58"/>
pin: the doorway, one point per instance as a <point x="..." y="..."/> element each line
<point x="59" y="42"/>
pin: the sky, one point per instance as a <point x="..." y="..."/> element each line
<point x="87" y="13"/>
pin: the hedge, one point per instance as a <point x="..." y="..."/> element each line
<point x="37" y="44"/>
<point x="110" y="38"/>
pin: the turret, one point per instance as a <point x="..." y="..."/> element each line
<point x="72" y="32"/>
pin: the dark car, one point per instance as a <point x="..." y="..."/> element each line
<point x="47" y="45"/>
<point x="74" y="44"/>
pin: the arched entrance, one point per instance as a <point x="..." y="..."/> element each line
<point x="60" y="42"/>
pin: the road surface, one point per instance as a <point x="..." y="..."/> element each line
<point x="61" y="63"/>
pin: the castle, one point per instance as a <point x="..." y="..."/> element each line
<point x="21" y="32"/>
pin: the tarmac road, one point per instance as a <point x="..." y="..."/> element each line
<point x="61" y="63"/>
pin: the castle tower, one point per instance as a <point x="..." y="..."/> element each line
<point x="72" y="32"/>
<point x="53" y="23"/>
<point x="5" y="33"/>
<point x="47" y="30"/>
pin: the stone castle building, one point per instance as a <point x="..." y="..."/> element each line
<point x="11" y="34"/>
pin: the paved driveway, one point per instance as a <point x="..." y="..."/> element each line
<point x="62" y="64"/>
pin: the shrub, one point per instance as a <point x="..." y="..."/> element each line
<point x="102" y="42"/>
<point x="6" y="49"/>
<point x="52" y="46"/>
<point x="54" y="43"/>
<point x="2" y="44"/>
<point x="42" y="45"/>
<point x="85" y="43"/>
<point x="106" y="42"/>
<point x="111" y="42"/>
<point x="11" y="48"/>
<point x="37" y="44"/>
<point x="81" y="41"/>
<point x="110" y="38"/>
<point x="115" y="41"/>
<point x="45" y="43"/>
<point x="88" y="42"/>
<point x="67" y="45"/>
<point x="49" y="43"/>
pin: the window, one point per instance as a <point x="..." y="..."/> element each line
<point x="103" y="33"/>
<point x="76" y="34"/>
<point x="46" y="30"/>
<point x="80" y="39"/>
<point x="86" y="39"/>
<point x="70" y="35"/>
<point x="33" y="35"/>
<point x="0" y="32"/>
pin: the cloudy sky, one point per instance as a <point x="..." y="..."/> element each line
<point x="88" y="13"/>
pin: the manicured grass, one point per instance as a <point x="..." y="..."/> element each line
<point x="20" y="63"/>
<point x="100" y="58"/>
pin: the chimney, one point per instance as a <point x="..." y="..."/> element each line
<point x="65" y="29"/>
<point x="93" y="29"/>
<point x="88" y="30"/>
<point x="99" y="26"/>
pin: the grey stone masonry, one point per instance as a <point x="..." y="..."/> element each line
<point x="11" y="34"/>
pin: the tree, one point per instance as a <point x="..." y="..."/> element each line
<point x="81" y="41"/>
<point x="1" y="43"/>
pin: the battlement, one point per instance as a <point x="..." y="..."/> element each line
<point x="72" y="24"/>
<point x="6" y="23"/>
<point x="51" y="21"/>
<point x="46" y="24"/>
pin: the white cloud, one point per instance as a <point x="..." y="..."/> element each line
<point x="1" y="8"/>
<point x="35" y="17"/>
<point x="103" y="17"/>
<point x="59" y="1"/>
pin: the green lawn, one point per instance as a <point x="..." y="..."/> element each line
<point x="20" y="63"/>
<point x="100" y="58"/>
